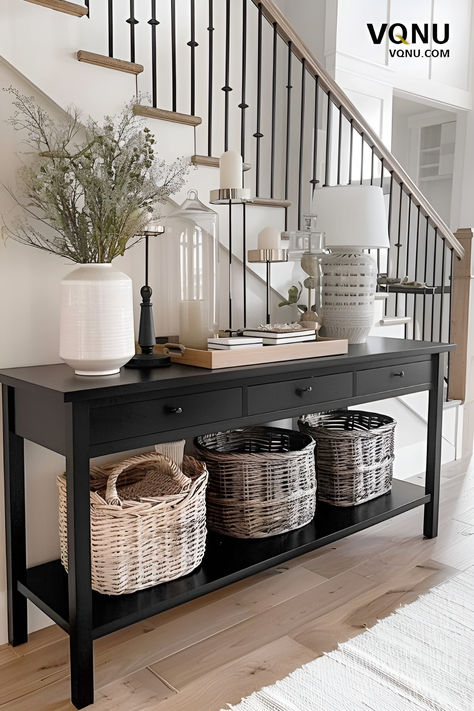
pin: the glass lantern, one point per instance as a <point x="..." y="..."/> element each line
<point x="191" y="255"/>
<point x="306" y="248"/>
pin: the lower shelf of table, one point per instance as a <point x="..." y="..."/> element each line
<point x="226" y="561"/>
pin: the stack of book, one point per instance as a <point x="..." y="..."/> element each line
<point x="233" y="343"/>
<point x="278" y="337"/>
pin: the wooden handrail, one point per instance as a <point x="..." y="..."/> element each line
<point x="274" y="15"/>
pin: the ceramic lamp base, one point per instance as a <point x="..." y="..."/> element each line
<point x="349" y="283"/>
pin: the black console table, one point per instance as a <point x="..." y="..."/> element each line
<point x="82" y="418"/>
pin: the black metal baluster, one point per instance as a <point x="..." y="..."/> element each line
<point x="132" y="21"/>
<point x="110" y="26"/>
<point x="351" y="146"/>
<point x="362" y="144"/>
<point x="226" y="88"/>
<point x="433" y="296"/>
<point x="153" y="22"/>
<point x="339" y="142"/>
<point x="328" y="141"/>
<point x="390" y="201"/>
<point x="230" y="265"/>
<point x="314" y="180"/>
<point x="415" y="300"/>
<point x="244" y="273"/>
<point x="407" y="253"/>
<point x="372" y="167"/>
<point x="210" y="85"/>
<point x="243" y="106"/>
<point x="258" y="135"/>
<point x="173" y="54"/>
<point x="381" y="183"/>
<point x="398" y="243"/>
<point x="87" y="5"/>
<point x="425" y="275"/>
<point x="193" y="44"/>
<point x="274" y="87"/>
<point x="300" y="167"/>
<point x="443" y="270"/>
<point x="288" y="126"/>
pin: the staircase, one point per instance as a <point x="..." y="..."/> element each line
<point x="218" y="74"/>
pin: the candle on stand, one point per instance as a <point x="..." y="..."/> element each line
<point x="194" y="329"/>
<point x="230" y="165"/>
<point x="269" y="238"/>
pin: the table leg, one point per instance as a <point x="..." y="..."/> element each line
<point x="433" y="454"/>
<point x="79" y="556"/>
<point x="15" y="526"/>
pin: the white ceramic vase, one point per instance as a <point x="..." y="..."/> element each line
<point x="96" y="324"/>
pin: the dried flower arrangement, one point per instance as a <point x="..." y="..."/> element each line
<point x="92" y="187"/>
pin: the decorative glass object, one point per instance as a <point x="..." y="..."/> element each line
<point x="306" y="249"/>
<point x="192" y="251"/>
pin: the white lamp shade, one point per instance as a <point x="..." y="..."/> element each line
<point x="352" y="216"/>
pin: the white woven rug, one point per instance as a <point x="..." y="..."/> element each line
<point x="420" y="658"/>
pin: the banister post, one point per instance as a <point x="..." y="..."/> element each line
<point x="461" y="367"/>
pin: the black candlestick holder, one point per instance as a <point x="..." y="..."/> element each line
<point x="147" y="358"/>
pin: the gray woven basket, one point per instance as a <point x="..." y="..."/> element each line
<point x="354" y="455"/>
<point x="262" y="481"/>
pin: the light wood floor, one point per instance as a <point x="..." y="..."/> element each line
<point x="213" y="651"/>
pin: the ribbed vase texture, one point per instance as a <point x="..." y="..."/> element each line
<point x="348" y="295"/>
<point x="96" y="323"/>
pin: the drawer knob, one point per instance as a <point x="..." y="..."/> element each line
<point x="175" y="410"/>
<point x="302" y="391"/>
<point x="400" y="374"/>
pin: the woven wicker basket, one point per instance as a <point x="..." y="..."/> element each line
<point x="261" y="481"/>
<point x="354" y="455"/>
<point x="150" y="529"/>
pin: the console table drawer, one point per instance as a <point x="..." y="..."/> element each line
<point x="114" y="422"/>
<point x="393" y="377"/>
<point x="293" y="393"/>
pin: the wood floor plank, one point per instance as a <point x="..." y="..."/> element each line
<point x="33" y="671"/>
<point x="325" y="633"/>
<point x="277" y="589"/>
<point x="140" y="691"/>
<point x="185" y="666"/>
<point x="7" y="654"/>
<point x="228" y="683"/>
<point x="40" y="639"/>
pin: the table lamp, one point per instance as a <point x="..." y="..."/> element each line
<point x="354" y="219"/>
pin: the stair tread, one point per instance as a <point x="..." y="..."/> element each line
<point x="212" y="161"/>
<point x="102" y="60"/>
<point x="166" y="115"/>
<point x="69" y="8"/>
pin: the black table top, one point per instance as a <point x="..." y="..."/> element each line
<point x="60" y="378"/>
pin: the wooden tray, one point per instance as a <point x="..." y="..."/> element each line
<point x="265" y="354"/>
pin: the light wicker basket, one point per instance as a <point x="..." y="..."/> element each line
<point x="354" y="455"/>
<point x="262" y="481"/>
<point x="150" y="529"/>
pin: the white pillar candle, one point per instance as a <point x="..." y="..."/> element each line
<point x="230" y="170"/>
<point x="194" y="327"/>
<point x="269" y="238"/>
